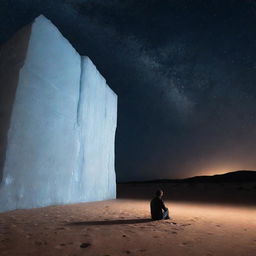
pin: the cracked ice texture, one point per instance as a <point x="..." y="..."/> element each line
<point x="61" y="130"/>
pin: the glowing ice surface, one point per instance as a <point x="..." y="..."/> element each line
<point x="60" y="145"/>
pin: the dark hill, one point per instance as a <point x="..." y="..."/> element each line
<point x="237" y="176"/>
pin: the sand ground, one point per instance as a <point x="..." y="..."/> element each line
<point x="122" y="227"/>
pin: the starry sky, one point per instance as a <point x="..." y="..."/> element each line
<point x="184" y="71"/>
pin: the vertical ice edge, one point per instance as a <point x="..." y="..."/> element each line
<point x="60" y="138"/>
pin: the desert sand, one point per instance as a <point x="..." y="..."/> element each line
<point x="123" y="227"/>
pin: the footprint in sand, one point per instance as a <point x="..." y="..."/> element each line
<point x="187" y="243"/>
<point x="184" y="225"/>
<point x="29" y="236"/>
<point x="60" y="228"/>
<point x="218" y="226"/>
<point x="174" y="232"/>
<point x="5" y="239"/>
<point x="38" y="242"/>
<point x="150" y="225"/>
<point x="131" y="231"/>
<point x="85" y="245"/>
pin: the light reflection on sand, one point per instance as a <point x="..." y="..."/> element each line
<point x="123" y="227"/>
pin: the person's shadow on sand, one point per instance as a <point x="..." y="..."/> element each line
<point x="110" y="222"/>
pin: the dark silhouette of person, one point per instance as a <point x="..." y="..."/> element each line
<point x="158" y="209"/>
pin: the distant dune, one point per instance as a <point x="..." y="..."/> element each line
<point x="236" y="176"/>
<point x="233" y="188"/>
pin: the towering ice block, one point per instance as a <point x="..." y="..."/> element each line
<point x="58" y="120"/>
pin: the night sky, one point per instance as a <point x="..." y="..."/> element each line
<point x="184" y="71"/>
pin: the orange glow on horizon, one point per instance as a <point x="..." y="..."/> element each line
<point x="210" y="169"/>
<point x="221" y="170"/>
<point x="215" y="172"/>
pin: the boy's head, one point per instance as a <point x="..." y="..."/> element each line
<point x="159" y="193"/>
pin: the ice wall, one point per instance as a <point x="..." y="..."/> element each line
<point x="97" y="120"/>
<point x="60" y="144"/>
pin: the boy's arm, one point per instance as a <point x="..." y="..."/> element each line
<point x="163" y="206"/>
